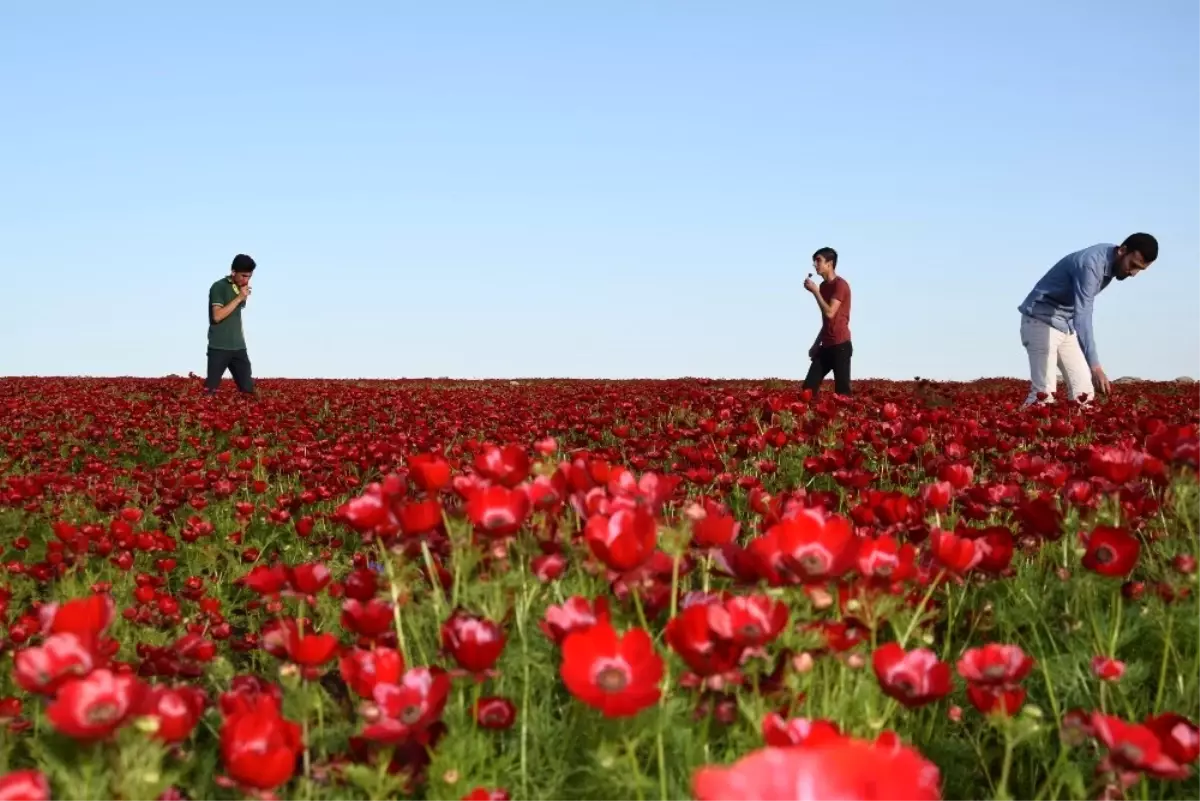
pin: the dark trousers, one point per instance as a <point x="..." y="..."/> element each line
<point x="237" y="362"/>
<point x="835" y="358"/>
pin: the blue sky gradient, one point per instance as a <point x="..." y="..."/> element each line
<point x="611" y="189"/>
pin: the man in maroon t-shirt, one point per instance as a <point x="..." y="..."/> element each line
<point x="832" y="349"/>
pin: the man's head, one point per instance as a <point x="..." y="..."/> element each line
<point x="1136" y="253"/>
<point x="825" y="263"/>
<point x="241" y="269"/>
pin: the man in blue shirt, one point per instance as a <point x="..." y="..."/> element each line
<point x="1056" y="317"/>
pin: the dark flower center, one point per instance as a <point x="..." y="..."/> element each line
<point x="1105" y="555"/>
<point x="751" y="631"/>
<point x="812" y="564"/>
<point x="105" y="712"/>
<point x="612" y="680"/>
<point x="410" y="714"/>
<point x="1130" y="753"/>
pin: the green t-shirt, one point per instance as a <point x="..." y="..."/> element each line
<point x="227" y="334"/>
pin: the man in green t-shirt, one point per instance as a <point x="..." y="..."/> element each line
<point x="226" y="343"/>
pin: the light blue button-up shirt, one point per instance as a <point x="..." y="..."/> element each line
<point x="1064" y="295"/>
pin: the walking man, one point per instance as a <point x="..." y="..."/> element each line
<point x="1056" y="317"/>
<point x="226" y="342"/>
<point x="832" y="349"/>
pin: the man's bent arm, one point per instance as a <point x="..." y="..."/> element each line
<point x="219" y="313"/>
<point x="827" y="309"/>
<point x="1087" y="283"/>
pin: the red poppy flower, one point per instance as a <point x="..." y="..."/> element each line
<point x="363" y="670"/>
<point x="371" y="619"/>
<point x="498" y="510"/>
<point x="176" y="709"/>
<point x="259" y="747"/>
<point x="60" y="658"/>
<point x="484" y="794"/>
<point x="87" y="618"/>
<point x="474" y="642"/>
<point x="419" y="517"/>
<point x="885" y="560"/>
<point x="492" y="712"/>
<point x="575" y="614"/>
<point x="266" y="580"/>
<point x="617" y="675"/>
<point x="714" y="529"/>
<point x="623" y="541"/>
<point x="1180" y="737"/>
<point x="1111" y="552"/>
<point x="956" y="554"/>
<point x="779" y="732"/>
<point x="24" y="785"/>
<point x="96" y="705"/>
<point x="996" y="700"/>
<point x="705" y="651"/>
<point x="507" y="466"/>
<point x="749" y="621"/>
<point x="430" y="472"/>
<point x="936" y="496"/>
<point x="1134" y="747"/>
<point x="914" y="678"/>
<point x="310" y="578"/>
<point x="995" y="665"/>
<point x="409" y="707"/>
<point x="1107" y="669"/>
<point x="308" y="650"/>
<point x="807" y="547"/>
<point x="957" y="476"/>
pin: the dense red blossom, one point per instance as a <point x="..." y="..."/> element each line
<point x="757" y="545"/>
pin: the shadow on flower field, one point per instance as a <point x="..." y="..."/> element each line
<point x="586" y="589"/>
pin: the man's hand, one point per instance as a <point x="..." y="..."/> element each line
<point x="1101" y="380"/>
<point x="245" y="292"/>
<point x="810" y="286"/>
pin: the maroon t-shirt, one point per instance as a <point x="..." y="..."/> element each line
<point x="836" y="329"/>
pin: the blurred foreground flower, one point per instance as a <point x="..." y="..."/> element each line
<point x="841" y="769"/>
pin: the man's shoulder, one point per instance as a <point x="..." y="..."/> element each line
<point x="218" y="286"/>
<point x="1099" y="249"/>
<point x="1092" y="254"/>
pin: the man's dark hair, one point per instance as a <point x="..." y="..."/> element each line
<point x="1144" y="244"/>
<point x="830" y="255"/>
<point x="244" y="264"/>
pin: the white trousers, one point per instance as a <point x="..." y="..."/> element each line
<point x="1049" y="351"/>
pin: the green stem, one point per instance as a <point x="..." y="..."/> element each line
<point x="1006" y="767"/>
<point x="1162" y="668"/>
<point x="631" y="752"/>
<point x="394" y="592"/>
<point x="916" y="618"/>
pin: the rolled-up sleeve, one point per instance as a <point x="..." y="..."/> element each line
<point x="1088" y="275"/>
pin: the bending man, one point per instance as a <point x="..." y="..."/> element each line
<point x="1056" y="317"/>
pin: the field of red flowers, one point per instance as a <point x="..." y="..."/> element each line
<point x="554" y="589"/>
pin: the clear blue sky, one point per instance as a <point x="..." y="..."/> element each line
<point x="609" y="189"/>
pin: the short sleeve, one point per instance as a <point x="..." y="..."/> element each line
<point x="215" y="296"/>
<point x="841" y="291"/>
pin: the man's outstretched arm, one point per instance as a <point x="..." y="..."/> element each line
<point x="1088" y="276"/>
